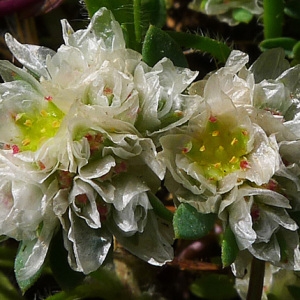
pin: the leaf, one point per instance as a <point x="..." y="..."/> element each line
<point x="64" y="275"/>
<point x="217" y="49"/>
<point x="134" y="16"/>
<point x="229" y="247"/>
<point x="159" y="44"/>
<point x="242" y="15"/>
<point x="190" y="224"/>
<point x="282" y="42"/>
<point x="159" y="208"/>
<point x="24" y="251"/>
<point x="214" y="287"/>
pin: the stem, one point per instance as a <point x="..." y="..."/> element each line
<point x="273" y="18"/>
<point x="137" y="20"/>
<point x="256" y="282"/>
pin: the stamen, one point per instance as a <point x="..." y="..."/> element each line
<point x="55" y="124"/>
<point x="217" y="165"/>
<point x="43" y="113"/>
<point x="202" y="148"/>
<point x="26" y="142"/>
<point x="28" y="123"/>
<point x="233" y="160"/>
<point x="234" y="141"/>
<point x="215" y="133"/>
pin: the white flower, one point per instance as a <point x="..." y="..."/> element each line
<point x="218" y="149"/>
<point x="70" y="127"/>
<point x="238" y="157"/>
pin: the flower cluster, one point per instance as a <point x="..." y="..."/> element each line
<point x="237" y="157"/>
<point x="78" y="136"/>
<point x="89" y="132"/>
<point x="231" y="12"/>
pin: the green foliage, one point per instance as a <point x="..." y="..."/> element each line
<point x="190" y="224"/>
<point x="24" y="251"/>
<point x="282" y="42"/>
<point x="242" y="15"/>
<point x="214" y="287"/>
<point x="217" y="49"/>
<point x="159" y="44"/>
<point x="159" y="208"/>
<point x="229" y="247"/>
<point x="134" y="16"/>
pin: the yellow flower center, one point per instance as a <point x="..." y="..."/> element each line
<point x="38" y="126"/>
<point x="220" y="149"/>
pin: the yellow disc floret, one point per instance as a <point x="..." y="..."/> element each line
<point x="220" y="149"/>
<point x="38" y="126"/>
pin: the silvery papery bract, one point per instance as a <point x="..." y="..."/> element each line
<point x="76" y="151"/>
<point x="237" y="157"/>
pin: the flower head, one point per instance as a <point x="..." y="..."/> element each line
<point x="70" y="121"/>
<point x="237" y="157"/>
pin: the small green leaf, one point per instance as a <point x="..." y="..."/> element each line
<point x="219" y="50"/>
<point x="190" y="224"/>
<point x="214" y="287"/>
<point x="159" y="44"/>
<point x="159" y="208"/>
<point x="230" y="248"/>
<point x="242" y="15"/>
<point x="25" y="249"/>
<point x="282" y="42"/>
<point x="134" y="16"/>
